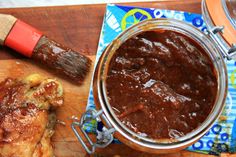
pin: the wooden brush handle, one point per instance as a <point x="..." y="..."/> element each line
<point x="18" y="35"/>
<point x="23" y="38"/>
<point x="6" y="24"/>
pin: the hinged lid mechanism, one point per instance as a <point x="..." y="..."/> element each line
<point x="220" y="18"/>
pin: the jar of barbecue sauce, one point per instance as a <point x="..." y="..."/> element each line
<point x="162" y="83"/>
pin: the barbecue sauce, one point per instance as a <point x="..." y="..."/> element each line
<point x="161" y="84"/>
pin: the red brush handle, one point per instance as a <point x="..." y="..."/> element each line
<point x="23" y="38"/>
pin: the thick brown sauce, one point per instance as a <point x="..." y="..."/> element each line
<point x="161" y="84"/>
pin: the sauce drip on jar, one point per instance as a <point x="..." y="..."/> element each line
<point x="161" y="84"/>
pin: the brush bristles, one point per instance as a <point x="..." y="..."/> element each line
<point x="75" y="65"/>
<point x="64" y="60"/>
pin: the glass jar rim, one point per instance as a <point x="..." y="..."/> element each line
<point x="188" y="30"/>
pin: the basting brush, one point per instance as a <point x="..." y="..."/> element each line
<point x="31" y="43"/>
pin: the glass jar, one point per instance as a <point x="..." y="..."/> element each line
<point x="219" y="16"/>
<point x="123" y="133"/>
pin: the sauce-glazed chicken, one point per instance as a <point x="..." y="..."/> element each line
<point x="27" y="116"/>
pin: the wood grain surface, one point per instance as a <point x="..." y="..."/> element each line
<point x="77" y="27"/>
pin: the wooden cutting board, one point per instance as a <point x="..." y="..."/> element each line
<point x="77" y="27"/>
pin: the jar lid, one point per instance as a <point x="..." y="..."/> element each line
<point x="220" y="18"/>
<point x="230" y="10"/>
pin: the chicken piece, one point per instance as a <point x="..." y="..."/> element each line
<point x="27" y="116"/>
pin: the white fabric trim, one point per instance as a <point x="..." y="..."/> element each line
<point x="36" y="3"/>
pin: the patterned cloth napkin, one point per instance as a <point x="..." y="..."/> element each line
<point x="222" y="136"/>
